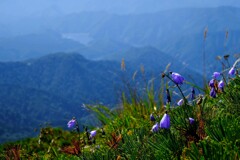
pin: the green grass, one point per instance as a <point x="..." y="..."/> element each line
<point x="214" y="134"/>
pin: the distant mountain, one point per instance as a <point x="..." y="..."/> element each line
<point x="68" y="75"/>
<point x="190" y="49"/>
<point x="151" y="28"/>
<point x="24" y="109"/>
<point x="52" y="89"/>
<point x="50" y="8"/>
<point x="155" y="62"/>
<point x="177" y="32"/>
<point x="106" y="49"/>
<point x="35" y="45"/>
<point x="150" y="57"/>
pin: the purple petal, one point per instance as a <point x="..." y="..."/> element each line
<point x="152" y="118"/>
<point x="216" y="75"/>
<point x="165" y="121"/>
<point x="211" y="83"/>
<point x="155" y="128"/>
<point x="232" y="71"/>
<point x="71" y="123"/>
<point x="213" y="92"/>
<point x="221" y="84"/>
<point x="180" y="102"/>
<point x="93" y="134"/>
<point x="191" y="120"/>
<point x="177" y="78"/>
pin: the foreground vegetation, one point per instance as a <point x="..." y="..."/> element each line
<point x="150" y="126"/>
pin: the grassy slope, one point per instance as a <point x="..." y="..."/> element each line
<point x="214" y="135"/>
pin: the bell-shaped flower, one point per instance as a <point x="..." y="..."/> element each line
<point x="177" y="78"/>
<point x="93" y="134"/>
<point x="191" y="120"/>
<point x="155" y="127"/>
<point x="211" y="83"/>
<point x="152" y="118"/>
<point x="231" y="71"/>
<point x="216" y="75"/>
<point x="165" y="121"/>
<point x="213" y="92"/>
<point x="180" y="102"/>
<point x="71" y="123"/>
<point x="221" y="85"/>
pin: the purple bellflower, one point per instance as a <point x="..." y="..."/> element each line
<point x="191" y="120"/>
<point x="213" y="92"/>
<point x="71" y="123"/>
<point x="177" y="78"/>
<point x="152" y="118"/>
<point x="155" y="127"/>
<point x="93" y="134"/>
<point x="221" y="85"/>
<point x="180" y="102"/>
<point x="216" y="75"/>
<point x="165" y="121"/>
<point x="211" y="83"/>
<point x="231" y="71"/>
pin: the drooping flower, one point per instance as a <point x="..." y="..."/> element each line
<point x="155" y="127"/>
<point x="231" y="71"/>
<point x="191" y="120"/>
<point x="165" y="121"/>
<point x="168" y="96"/>
<point x="152" y="118"/>
<point x="93" y="134"/>
<point x="180" y="102"/>
<point x="216" y="75"/>
<point x="192" y="94"/>
<point x="221" y="85"/>
<point x="213" y="92"/>
<point x="71" y="123"/>
<point x="211" y="83"/>
<point x="177" y="78"/>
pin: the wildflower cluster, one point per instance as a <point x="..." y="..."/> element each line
<point x="217" y="86"/>
<point x="178" y="80"/>
<point x="74" y="124"/>
<point x="187" y="119"/>
<point x="164" y="123"/>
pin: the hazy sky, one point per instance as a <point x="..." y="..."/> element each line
<point x="16" y="12"/>
<point x="26" y="7"/>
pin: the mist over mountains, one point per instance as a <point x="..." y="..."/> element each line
<point x="46" y="7"/>
<point x="98" y="35"/>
